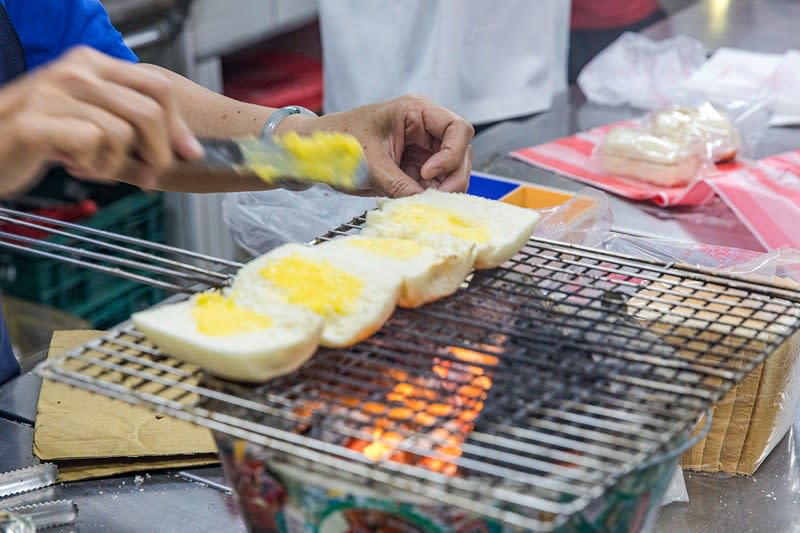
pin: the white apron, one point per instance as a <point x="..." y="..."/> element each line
<point x="486" y="60"/>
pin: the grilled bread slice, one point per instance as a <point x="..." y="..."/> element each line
<point x="496" y="230"/>
<point x="353" y="299"/>
<point x="246" y="339"/>
<point x="428" y="273"/>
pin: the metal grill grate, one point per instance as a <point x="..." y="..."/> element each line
<point x="155" y="264"/>
<point x="523" y="397"/>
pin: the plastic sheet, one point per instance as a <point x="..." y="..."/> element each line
<point x="586" y="216"/>
<point x="640" y="72"/>
<point x="260" y="221"/>
<point x="587" y="219"/>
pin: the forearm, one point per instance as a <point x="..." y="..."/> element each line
<point x="211" y="114"/>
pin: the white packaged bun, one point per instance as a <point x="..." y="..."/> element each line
<point x="703" y="125"/>
<point x="246" y="340"/>
<point x="428" y="273"/>
<point x="353" y="299"/>
<point x="497" y="230"/>
<point x="637" y="154"/>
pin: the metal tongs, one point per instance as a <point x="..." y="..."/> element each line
<point x="270" y="160"/>
<point x="39" y="515"/>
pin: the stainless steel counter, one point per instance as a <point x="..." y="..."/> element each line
<point x="769" y="501"/>
<point x="191" y="500"/>
<point x="768" y="26"/>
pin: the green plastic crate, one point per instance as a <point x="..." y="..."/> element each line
<point x="84" y="292"/>
<point x="116" y="303"/>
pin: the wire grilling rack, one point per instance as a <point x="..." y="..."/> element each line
<point x="166" y="267"/>
<point x="523" y="397"/>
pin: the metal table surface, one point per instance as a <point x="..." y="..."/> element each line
<point x="767" y="26"/>
<point x="767" y="502"/>
<point x="190" y="500"/>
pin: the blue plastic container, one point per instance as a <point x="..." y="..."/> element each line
<point x="490" y="188"/>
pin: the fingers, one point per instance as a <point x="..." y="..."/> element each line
<point x="388" y="179"/>
<point x="97" y="144"/>
<point x="134" y="110"/>
<point x="150" y="84"/>
<point x="153" y="144"/>
<point x="454" y="134"/>
<point x="458" y="181"/>
<point x="159" y="88"/>
<point x="74" y="142"/>
<point x="106" y="155"/>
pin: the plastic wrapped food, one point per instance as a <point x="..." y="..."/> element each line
<point x="639" y="154"/>
<point x="670" y="146"/>
<point x="702" y="125"/>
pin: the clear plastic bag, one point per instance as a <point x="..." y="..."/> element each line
<point x="638" y="71"/>
<point x="702" y="125"/>
<point x="785" y="82"/>
<point x="639" y="153"/>
<point x="678" y="144"/>
<point x="580" y="220"/>
<point x="731" y="126"/>
<point x="646" y="74"/>
<point x="260" y="221"/>
<point x="586" y="219"/>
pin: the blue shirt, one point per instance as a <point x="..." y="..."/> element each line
<point x="46" y="29"/>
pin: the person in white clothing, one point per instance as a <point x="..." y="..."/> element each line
<point x="487" y="61"/>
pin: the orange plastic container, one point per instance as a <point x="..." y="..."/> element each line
<point x="535" y="197"/>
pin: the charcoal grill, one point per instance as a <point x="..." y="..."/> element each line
<point x="550" y="382"/>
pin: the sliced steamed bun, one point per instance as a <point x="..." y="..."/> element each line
<point x="497" y="230"/>
<point x="244" y="339"/>
<point x="427" y="273"/>
<point x="353" y="299"/>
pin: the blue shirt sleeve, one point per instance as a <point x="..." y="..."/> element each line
<point x="48" y="28"/>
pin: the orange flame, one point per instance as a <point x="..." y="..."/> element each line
<point x="418" y="406"/>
